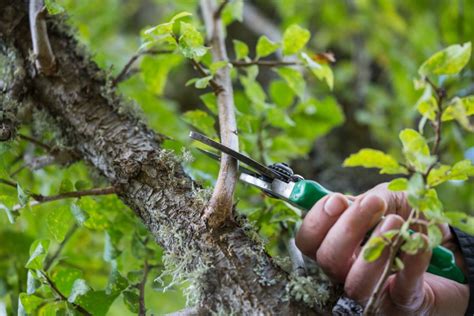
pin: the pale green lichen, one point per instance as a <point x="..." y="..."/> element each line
<point x="309" y="290"/>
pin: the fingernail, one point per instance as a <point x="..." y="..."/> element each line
<point x="372" y="206"/>
<point x="335" y="205"/>
<point x="386" y="225"/>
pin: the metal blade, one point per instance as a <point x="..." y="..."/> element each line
<point x="218" y="158"/>
<point x="246" y="160"/>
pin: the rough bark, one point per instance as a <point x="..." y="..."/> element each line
<point x="230" y="269"/>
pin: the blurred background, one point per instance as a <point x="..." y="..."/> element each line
<point x="378" y="46"/>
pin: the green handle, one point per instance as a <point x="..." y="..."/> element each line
<point x="307" y="192"/>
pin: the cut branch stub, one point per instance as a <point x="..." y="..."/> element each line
<point x="220" y="206"/>
<point x="45" y="60"/>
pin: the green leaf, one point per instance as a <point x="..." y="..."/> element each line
<point x="462" y="170"/>
<point x="294" y="79"/>
<point x="191" y="42"/>
<point x="79" y="288"/>
<point x="31" y="282"/>
<point x="416" y="150"/>
<point x="30" y="302"/>
<point x="202" y="83"/>
<point x="254" y="91"/>
<point x="180" y="16"/>
<point x="372" y="158"/>
<point x="281" y="94"/>
<point x="38" y="252"/>
<point x="66" y="186"/>
<point x="451" y="112"/>
<point x="435" y="235"/>
<point x="112" y="239"/>
<point x="398" y="265"/>
<point x="210" y="101"/>
<point x="279" y="118"/>
<point x="130" y="298"/>
<point x="80" y="216"/>
<point x="81" y="185"/>
<point x="214" y="67"/>
<point x="58" y="221"/>
<point x="233" y="11"/>
<point x="294" y="39"/>
<point x="265" y="47"/>
<point x="64" y="278"/>
<point x="155" y="70"/>
<point x="159" y="34"/>
<point x="460" y="109"/>
<point x="399" y="184"/>
<point x="10" y="214"/>
<point x="374" y="248"/>
<point x="449" y="61"/>
<point x="461" y="220"/>
<point x="427" y="104"/>
<point x="201" y="120"/>
<point x="92" y="212"/>
<point x="53" y="7"/>
<point x="241" y="49"/>
<point x="22" y="196"/>
<point x="117" y="283"/>
<point x="321" y="71"/>
<point x="413" y="243"/>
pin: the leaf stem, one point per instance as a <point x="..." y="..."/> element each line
<point x="53" y="258"/>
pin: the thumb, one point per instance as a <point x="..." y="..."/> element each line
<point x="407" y="289"/>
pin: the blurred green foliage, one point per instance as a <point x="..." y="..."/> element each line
<point x="379" y="46"/>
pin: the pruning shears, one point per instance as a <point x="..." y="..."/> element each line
<point x="280" y="182"/>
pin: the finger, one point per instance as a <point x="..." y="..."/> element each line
<point x="407" y="287"/>
<point x="318" y="221"/>
<point x="336" y="253"/>
<point x="363" y="275"/>
<point x="397" y="202"/>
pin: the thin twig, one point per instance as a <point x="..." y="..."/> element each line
<point x="55" y="289"/>
<point x="220" y="205"/>
<point x="126" y="69"/>
<point x="41" y="199"/>
<point x="141" y="289"/>
<point x="35" y="142"/>
<point x="218" y="13"/>
<point x="203" y="73"/>
<point x="371" y="307"/>
<point x="296" y="257"/>
<point x="45" y="60"/>
<point x="53" y="258"/>
<point x="264" y="63"/>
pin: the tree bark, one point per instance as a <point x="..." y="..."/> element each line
<point x="229" y="268"/>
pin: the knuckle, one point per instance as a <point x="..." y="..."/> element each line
<point x="330" y="264"/>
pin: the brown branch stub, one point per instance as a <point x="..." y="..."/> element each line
<point x="220" y="205"/>
<point x="45" y="59"/>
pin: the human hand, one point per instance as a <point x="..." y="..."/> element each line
<point x="332" y="233"/>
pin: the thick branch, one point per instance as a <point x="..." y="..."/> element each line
<point x="219" y="208"/>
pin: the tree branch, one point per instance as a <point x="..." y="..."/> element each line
<point x="219" y="208"/>
<point x="45" y="59"/>
<point x="35" y="142"/>
<point x="232" y="271"/>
